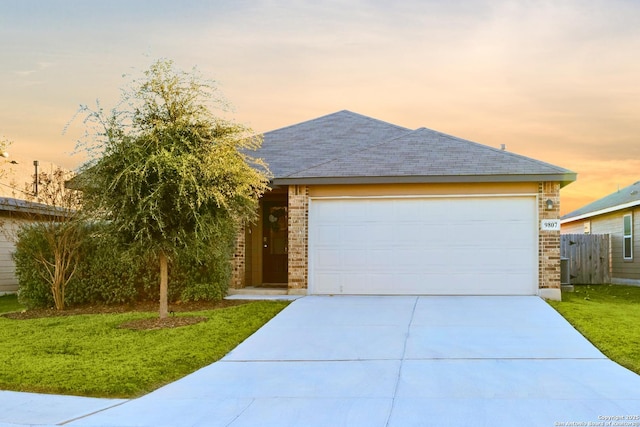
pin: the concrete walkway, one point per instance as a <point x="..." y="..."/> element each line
<point x="384" y="361"/>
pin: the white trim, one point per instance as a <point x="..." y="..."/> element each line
<point x="601" y="212"/>
<point x="627" y="236"/>
<point x="427" y="196"/>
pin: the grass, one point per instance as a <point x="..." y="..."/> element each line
<point x="609" y="317"/>
<point x="89" y="355"/>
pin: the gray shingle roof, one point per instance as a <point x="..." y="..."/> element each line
<point x="626" y="197"/>
<point x="345" y="147"/>
<point x="305" y="145"/>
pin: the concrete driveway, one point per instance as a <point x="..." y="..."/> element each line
<point x="393" y="361"/>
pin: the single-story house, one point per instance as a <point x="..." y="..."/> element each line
<point x="18" y="206"/>
<point x="361" y="206"/>
<point x="618" y="215"/>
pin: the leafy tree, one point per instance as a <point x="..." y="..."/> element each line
<point x="170" y="172"/>
<point x="52" y="236"/>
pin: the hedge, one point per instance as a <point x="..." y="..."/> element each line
<point x="111" y="271"/>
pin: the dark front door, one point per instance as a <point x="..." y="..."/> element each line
<point x="274" y="242"/>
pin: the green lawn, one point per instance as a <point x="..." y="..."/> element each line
<point x="90" y="355"/>
<point x="609" y="317"/>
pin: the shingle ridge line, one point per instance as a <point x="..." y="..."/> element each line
<point x="373" y="119"/>
<point x="331" y="114"/>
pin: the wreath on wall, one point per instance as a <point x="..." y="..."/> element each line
<point x="274" y="218"/>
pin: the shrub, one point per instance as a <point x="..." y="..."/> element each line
<point x="34" y="288"/>
<point x="111" y="271"/>
<point x="202" y="271"/>
<point x="107" y="273"/>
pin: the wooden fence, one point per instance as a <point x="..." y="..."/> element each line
<point x="589" y="258"/>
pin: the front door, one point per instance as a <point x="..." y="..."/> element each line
<point x="274" y="242"/>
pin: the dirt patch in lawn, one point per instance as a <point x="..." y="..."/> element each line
<point x="157" y="323"/>
<point x="172" y="321"/>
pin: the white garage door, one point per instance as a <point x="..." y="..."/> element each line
<point x="424" y="246"/>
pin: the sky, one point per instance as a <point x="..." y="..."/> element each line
<point x="554" y="80"/>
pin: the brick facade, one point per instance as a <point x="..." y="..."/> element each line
<point x="549" y="242"/>
<point x="298" y="226"/>
<point x="239" y="261"/>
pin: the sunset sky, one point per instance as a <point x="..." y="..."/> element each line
<point x="555" y="80"/>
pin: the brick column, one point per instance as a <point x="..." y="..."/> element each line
<point x="298" y="227"/>
<point x="548" y="242"/>
<point x="238" y="261"/>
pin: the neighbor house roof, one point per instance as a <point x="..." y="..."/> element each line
<point x="10" y="204"/>
<point x="346" y="147"/>
<point x="622" y="199"/>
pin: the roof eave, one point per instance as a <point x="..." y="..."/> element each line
<point x="563" y="178"/>
<point x="9" y="204"/>
<point x="610" y="209"/>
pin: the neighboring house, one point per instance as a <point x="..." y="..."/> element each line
<point x="15" y="213"/>
<point x="16" y="186"/>
<point x="361" y="206"/>
<point x="8" y="226"/>
<point x="618" y="215"/>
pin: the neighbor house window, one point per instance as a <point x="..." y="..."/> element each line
<point x="627" y="237"/>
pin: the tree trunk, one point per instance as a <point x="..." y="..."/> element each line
<point x="164" y="278"/>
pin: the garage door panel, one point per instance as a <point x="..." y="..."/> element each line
<point x="328" y="282"/>
<point x="381" y="260"/>
<point x="435" y="234"/>
<point x="352" y="233"/>
<point x="515" y="259"/>
<point x="408" y="235"/>
<point x="330" y="212"/>
<point x="407" y="258"/>
<point x="381" y="234"/>
<point x="456" y="246"/>
<point x="326" y="259"/>
<point x="353" y="260"/>
<point x="327" y="235"/>
<point x="374" y="212"/>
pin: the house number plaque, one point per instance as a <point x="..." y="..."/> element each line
<point x="550" y="225"/>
